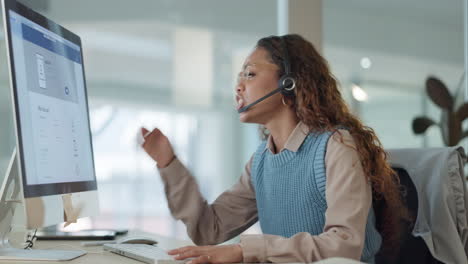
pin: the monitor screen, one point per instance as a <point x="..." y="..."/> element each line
<point x="51" y="108"/>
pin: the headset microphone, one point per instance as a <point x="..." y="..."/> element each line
<point x="245" y="108"/>
<point x="286" y="83"/>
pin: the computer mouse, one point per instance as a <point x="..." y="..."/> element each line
<point x="137" y="240"/>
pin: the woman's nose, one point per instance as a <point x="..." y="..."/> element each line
<point x="239" y="87"/>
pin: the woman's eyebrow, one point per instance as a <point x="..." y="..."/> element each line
<point x="257" y="63"/>
<point x="247" y="65"/>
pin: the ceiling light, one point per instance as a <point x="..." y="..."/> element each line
<point x="358" y="93"/>
<point x="366" y="63"/>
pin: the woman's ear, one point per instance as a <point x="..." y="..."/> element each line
<point x="287" y="100"/>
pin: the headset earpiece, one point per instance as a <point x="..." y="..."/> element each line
<point x="286" y="83"/>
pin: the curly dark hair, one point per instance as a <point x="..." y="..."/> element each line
<point x="319" y="105"/>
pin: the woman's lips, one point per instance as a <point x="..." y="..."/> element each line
<point x="240" y="104"/>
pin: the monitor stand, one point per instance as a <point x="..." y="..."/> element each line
<point x="10" y="197"/>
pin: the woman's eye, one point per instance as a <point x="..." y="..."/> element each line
<point x="249" y="75"/>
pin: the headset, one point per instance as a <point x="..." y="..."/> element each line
<point x="286" y="83"/>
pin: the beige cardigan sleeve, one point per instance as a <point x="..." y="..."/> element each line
<point x="231" y="213"/>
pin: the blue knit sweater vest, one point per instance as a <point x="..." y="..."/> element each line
<point x="290" y="192"/>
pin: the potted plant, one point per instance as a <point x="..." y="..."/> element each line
<point x="452" y="117"/>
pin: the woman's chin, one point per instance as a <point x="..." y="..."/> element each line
<point x="246" y="118"/>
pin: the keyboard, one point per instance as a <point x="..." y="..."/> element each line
<point x="142" y="252"/>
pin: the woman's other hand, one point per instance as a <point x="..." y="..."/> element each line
<point x="158" y="147"/>
<point x="209" y="254"/>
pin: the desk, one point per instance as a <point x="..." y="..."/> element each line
<point x="96" y="255"/>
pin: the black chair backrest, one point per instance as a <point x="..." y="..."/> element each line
<point x="412" y="249"/>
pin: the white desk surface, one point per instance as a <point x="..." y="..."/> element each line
<point x="96" y="255"/>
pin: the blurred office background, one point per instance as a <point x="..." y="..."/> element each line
<point x="172" y="64"/>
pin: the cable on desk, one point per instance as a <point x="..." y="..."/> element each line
<point x="29" y="243"/>
<point x="76" y="248"/>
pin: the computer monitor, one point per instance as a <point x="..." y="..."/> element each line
<point x="53" y="165"/>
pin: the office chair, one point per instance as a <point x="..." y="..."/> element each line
<point x="434" y="191"/>
<point x="411" y="249"/>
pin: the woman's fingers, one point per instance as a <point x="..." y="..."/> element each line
<point x="153" y="134"/>
<point x="209" y="254"/>
<point x="201" y="259"/>
<point x="190" y="252"/>
<point x="150" y="137"/>
<point x="179" y="250"/>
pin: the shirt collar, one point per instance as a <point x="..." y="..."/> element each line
<point x="294" y="141"/>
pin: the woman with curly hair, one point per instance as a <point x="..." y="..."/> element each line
<point x="310" y="184"/>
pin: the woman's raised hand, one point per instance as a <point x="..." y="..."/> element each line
<point x="157" y="145"/>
